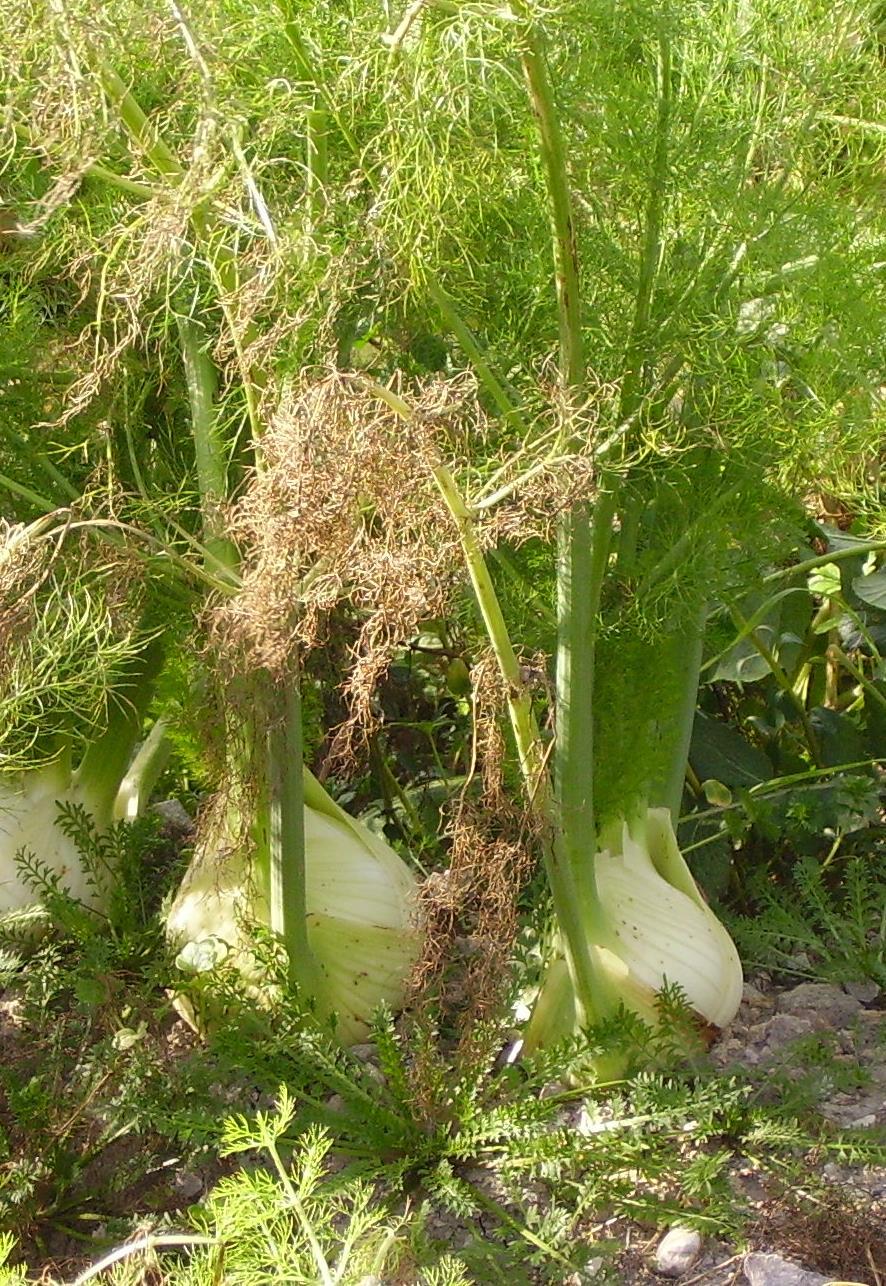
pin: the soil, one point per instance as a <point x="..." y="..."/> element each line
<point x="831" y="1229"/>
<point x="834" y="1228"/>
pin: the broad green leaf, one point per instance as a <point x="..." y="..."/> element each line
<point x="839" y="740"/>
<point x="720" y="752"/>
<point x="872" y="589"/>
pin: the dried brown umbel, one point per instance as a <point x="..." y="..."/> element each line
<point x="341" y="506"/>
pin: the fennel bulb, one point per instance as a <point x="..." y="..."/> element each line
<point x="361" y="913"/>
<point x="28" y="820"/>
<point x="658" y="930"/>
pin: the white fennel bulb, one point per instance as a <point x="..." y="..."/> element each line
<point x="658" y="930"/>
<point x="361" y="915"/>
<point x="664" y="929"/>
<point x="29" y="810"/>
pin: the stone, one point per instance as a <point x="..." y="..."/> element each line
<point x="365" y="1053"/>
<point x="780" y="1030"/>
<point x="174" y="815"/>
<point x="187" y="1184"/>
<point x="864" y="992"/>
<point x="854" y="1111"/>
<point x="677" y="1251"/>
<point x="773" y="1270"/>
<point x="823" y="1004"/>
<point x="754" y="998"/>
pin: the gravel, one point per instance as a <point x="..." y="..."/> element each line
<point x="677" y="1251"/>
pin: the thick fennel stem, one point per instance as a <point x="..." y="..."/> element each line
<point x="143" y="773"/>
<point x="553" y="158"/>
<point x="107" y="757"/>
<point x="137" y="125"/>
<point x="286" y="832"/>
<point x="209" y="445"/>
<point x="316" y="128"/>
<point x="821" y="560"/>
<point x="281" y="804"/>
<point x="26" y="493"/>
<point x="638" y="356"/>
<point x="674" y="725"/>
<point x="583" y="554"/>
<point x="280" y="810"/>
<point x="578" y="915"/>
<point x="530" y="749"/>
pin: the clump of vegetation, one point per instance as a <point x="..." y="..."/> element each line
<point x="525" y="357"/>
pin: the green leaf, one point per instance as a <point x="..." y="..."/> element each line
<point x="875" y="720"/>
<point x="126" y="1037"/>
<point x="872" y="589"/>
<point x="718" y="751"/>
<point x="825" y="581"/>
<point x="716" y="793"/>
<point x="90" y="991"/>
<point x="839" y="739"/>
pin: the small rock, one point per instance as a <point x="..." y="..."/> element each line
<point x="753" y="997"/>
<point x="772" y="1270"/>
<point x="187" y="1184"/>
<point x="175" y="816"/>
<point x="864" y="992"/>
<point x="365" y="1053"/>
<point x="588" y="1273"/>
<point x="853" y="1111"/>
<point x="822" y="1003"/>
<point x="508" y="1054"/>
<point x="864" y="1122"/>
<point x="780" y="1030"/>
<point x="677" y="1251"/>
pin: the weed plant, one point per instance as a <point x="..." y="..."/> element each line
<point x="826" y="923"/>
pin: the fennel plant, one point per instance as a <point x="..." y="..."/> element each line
<point x="650" y="234"/>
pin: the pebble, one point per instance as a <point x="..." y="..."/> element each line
<point x="677" y="1251"/>
<point x="367" y="1054"/>
<point x="780" y="1030"/>
<point x="754" y="998"/>
<point x="822" y="1003"/>
<point x="587" y="1274"/>
<point x="854" y="1111"/>
<point x="773" y="1270"/>
<point x="174" y="815"/>
<point x="864" y="992"/>
<point x="187" y="1184"/>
